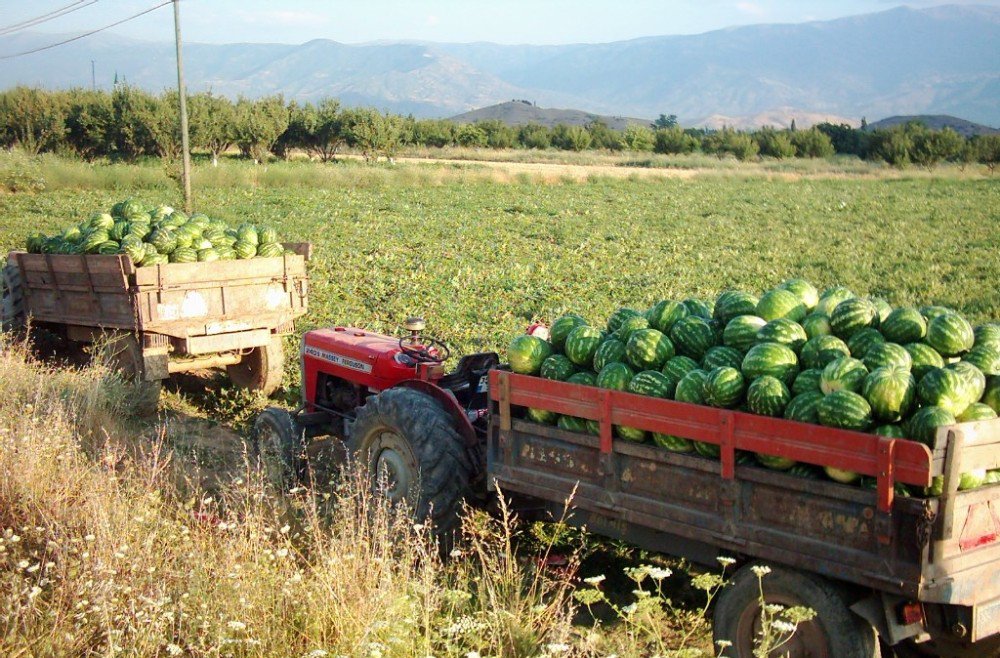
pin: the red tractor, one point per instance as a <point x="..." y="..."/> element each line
<point x="420" y="431"/>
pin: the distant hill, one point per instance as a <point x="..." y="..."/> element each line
<point x="779" y="118"/>
<point x="937" y="122"/>
<point x="521" y="113"/>
<point x="941" y="60"/>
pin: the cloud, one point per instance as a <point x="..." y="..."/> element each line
<point x="750" y="8"/>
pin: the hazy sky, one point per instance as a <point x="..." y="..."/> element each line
<point x="501" y="21"/>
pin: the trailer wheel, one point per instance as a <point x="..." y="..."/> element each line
<point x="278" y="446"/>
<point x="123" y="353"/>
<point x="413" y="455"/>
<point x="261" y="369"/>
<point x="835" y="631"/>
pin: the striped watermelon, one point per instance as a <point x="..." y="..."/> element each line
<point x="841" y="476"/>
<point x="892" y="431"/>
<point x="785" y="332"/>
<point x="664" y="315"/>
<point x="802" y="408"/>
<point x="950" y="334"/>
<point x="610" y="351"/>
<point x="650" y="382"/>
<point x="583" y="378"/>
<point x="987" y="334"/>
<point x="986" y="357"/>
<point x="648" y="349"/>
<point x="527" y="353"/>
<point x="831" y="298"/>
<point x="691" y="387"/>
<point x="882" y="309"/>
<point x="733" y="303"/>
<point x="991" y="396"/>
<point x="709" y="450"/>
<point x="724" y="388"/>
<point x="768" y="396"/>
<point x="975" y="380"/>
<point x="819" y="351"/>
<point x="945" y="389"/>
<point x="804" y="290"/>
<point x="779" y="303"/>
<point x="864" y="340"/>
<point x="844" y="374"/>
<point x="771" y="359"/>
<point x="890" y="391"/>
<point x="560" y="329"/>
<point x="632" y="434"/>
<point x="675" y="369"/>
<point x="557" y="367"/>
<point x="673" y="443"/>
<point x="775" y="462"/>
<point x="931" y="312"/>
<point x="615" y="376"/>
<point x="692" y="337"/>
<point x="807" y="471"/>
<point x="572" y="424"/>
<point x="924" y="424"/>
<point x="904" y="325"/>
<point x="845" y="410"/>
<point x="977" y="411"/>
<point x="741" y="332"/>
<point x="807" y="381"/>
<point x="925" y="358"/>
<point x="720" y="355"/>
<point x="616" y="319"/>
<point x="542" y="416"/>
<point x="699" y="307"/>
<point x="581" y="345"/>
<point x="629" y="326"/>
<point x="816" y="324"/>
<point x="853" y="315"/>
<point x="183" y="255"/>
<point x="888" y="354"/>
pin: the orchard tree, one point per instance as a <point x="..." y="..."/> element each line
<point x="31" y="119"/>
<point x="987" y="149"/>
<point x="498" y="134"/>
<point x="730" y="142"/>
<point x="213" y="124"/>
<point x="259" y="124"/>
<point x="133" y="122"/>
<point x="673" y="141"/>
<point x="893" y="145"/>
<point x="534" y="136"/>
<point x="570" y="138"/>
<point x="319" y="128"/>
<point x="665" y="121"/>
<point x="812" y="143"/>
<point x="774" y="143"/>
<point x="933" y="146"/>
<point x="373" y="133"/>
<point x="603" y="137"/>
<point x="638" y="138"/>
<point x="88" y="118"/>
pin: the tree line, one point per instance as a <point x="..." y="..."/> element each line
<point x="128" y="123"/>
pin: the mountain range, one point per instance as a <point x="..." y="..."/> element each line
<point x="935" y="60"/>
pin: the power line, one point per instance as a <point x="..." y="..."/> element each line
<point x="87" y="34"/>
<point x="38" y="20"/>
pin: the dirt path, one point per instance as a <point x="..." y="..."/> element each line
<point x="551" y="172"/>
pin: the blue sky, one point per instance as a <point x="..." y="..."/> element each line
<point x="501" y="21"/>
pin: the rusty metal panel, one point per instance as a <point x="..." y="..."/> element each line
<point x="986" y="620"/>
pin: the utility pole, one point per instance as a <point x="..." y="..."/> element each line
<point x="93" y="76"/>
<point x="182" y="96"/>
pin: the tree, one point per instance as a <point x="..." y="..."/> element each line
<point x="932" y="146"/>
<point x="893" y="145"/>
<point x="570" y="138"/>
<point x="845" y="139"/>
<point x="730" y="142"/>
<point x="774" y="143"/>
<point x="213" y="123"/>
<point x="373" y="133"/>
<point x="498" y="134"/>
<point x="665" y="121"/>
<point x="88" y="117"/>
<point x="603" y="137"/>
<point x="134" y="122"/>
<point x="433" y="132"/>
<point x="31" y="119"/>
<point x="638" y="138"/>
<point x="259" y="124"/>
<point x="534" y="136"/>
<point x="812" y="143"/>
<point x="674" y="141"/>
<point x="319" y="129"/>
<point x="471" y="135"/>
<point x="988" y="150"/>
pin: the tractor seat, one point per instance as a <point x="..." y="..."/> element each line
<point x="469" y="371"/>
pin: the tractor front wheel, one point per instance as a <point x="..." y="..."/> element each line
<point x="278" y="446"/>
<point x="261" y="369"/>
<point x="412" y="453"/>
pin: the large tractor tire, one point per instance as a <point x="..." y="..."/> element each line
<point x="414" y="455"/>
<point x="261" y="369"/>
<point x="835" y="631"/>
<point x="278" y="446"/>
<point x="123" y="353"/>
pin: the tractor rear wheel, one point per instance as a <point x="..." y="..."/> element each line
<point x="261" y="369"/>
<point x="412" y="454"/>
<point x="278" y="447"/>
<point x="123" y="353"/>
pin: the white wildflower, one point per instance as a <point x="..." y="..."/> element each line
<point x="726" y="561"/>
<point x="594" y="580"/>
<point x="783" y="626"/>
<point x="761" y="570"/>
<point x="236" y="626"/>
<point x="657" y="573"/>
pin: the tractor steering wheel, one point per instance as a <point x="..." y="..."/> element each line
<point x="424" y="349"/>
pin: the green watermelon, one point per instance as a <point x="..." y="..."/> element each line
<point x="923" y="425"/>
<point x="816" y="324"/>
<point x="843" y="374"/>
<point x="572" y="424"/>
<point x="950" y="334"/>
<point x="183" y="255"/>
<point x="648" y="349"/>
<point x="152" y="259"/>
<point x="527" y="353"/>
<point x="163" y="239"/>
<point x="692" y="336"/>
<point x="891" y="431"/>
<point x="616" y="319"/>
<point x="741" y="332"/>
<point x="904" y="325"/>
<point x="863" y="341"/>
<point x="802" y="407"/>
<point x="675" y="369"/>
<point x="925" y="358"/>
<point x="709" y="450"/>
<point x="268" y="235"/>
<point x="774" y="462"/>
<point x="720" y="355"/>
<point x="118" y="230"/>
<point x="853" y="315"/>
<point x="931" y="312"/>
<point x="882" y="309"/>
<point x="610" y="351"/>
<point x="785" y="332"/>
<point x="991" y="395"/>
<point x="976" y="411"/>
<point x="108" y="247"/>
<point x="975" y="380"/>
<point x="265" y="249"/>
<point x="992" y="477"/>
<point x="207" y="255"/>
<point x="632" y="434"/>
<point x="987" y="334"/>
<point x="888" y="354"/>
<point x="246" y="233"/>
<point x="244" y="250"/>
<point x="804" y="290"/>
<point x="724" y="388"/>
<point x="779" y="303"/>
<point x="673" y="443"/>
<point x="615" y="376"/>
<point x="831" y="298"/>
<point x="841" y="476"/>
<point x="542" y="416"/>
<point x="629" y="326"/>
<point x="768" y="396"/>
<point x="561" y="327"/>
<point x="986" y="357"/>
<point x="890" y="390"/>
<point x="733" y="303"/>
<point x="583" y="378"/>
<point x="650" y="382"/>
<point x="557" y="367"/>
<point x="771" y="359"/>
<point x="134" y="249"/>
<point x="946" y="389"/>
<point x="844" y="409"/>
<point x="698" y="307"/>
<point x="691" y="387"/>
<point x="664" y="315"/>
<point x="821" y="350"/>
<point x="807" y="381"/>
<point x="581" y="345"/>
<point x="807" y="471"/>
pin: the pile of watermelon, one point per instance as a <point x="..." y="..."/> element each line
<point x="160" y="235"/>
<point x="833" y="359"/>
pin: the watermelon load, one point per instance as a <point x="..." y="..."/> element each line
<point x="157" y="235"/>
<point x="830" y="358"/>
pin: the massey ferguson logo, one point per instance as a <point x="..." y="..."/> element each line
<point x="336" y="359"/>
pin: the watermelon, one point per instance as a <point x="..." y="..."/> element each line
<point x="226" y="253"/>
<point x="583" y="378"/>
<point x="779" y="303"/>
<point x="816" y="324"/>
<point x="118" y="231"/>
<point x="561" y="327"/>
<point x="946" y="389"/>
<point x="807" y="471"/>
<point x="733" y="303"/>
<point x="610" y="351"/>
<point x="924" y="357"/>
<point x="246" y="233"/>
<point x="950" y="334"/>
<point x="268" y="235"/>
<point x="673" y="443"/>
<point x="768" y="396"/>
<point x="527" y="353"/>
<point x="108" y="247"/>
<point x="134" y="249"/>
<point x="992" y="477"/>
<point x="675" y="369"/>
<point x="632" y="434"/>
<point x="882" y="309"/>
<point x="863" y="341"/>
<point x="890" y="390"/>
<point x="691" y="387"/>
<point x="152" y="259"/>
<point x="264" y="250"/>
<point x="986" y="357"/>
<point x="802" y="408"/>
<point x="785" y="332"/>
<point x="650" y="382"/>
<point x="775" y="462"/>
<point x="720" y="355"/>
<point x="664" y="315"/>
<point x="888" y="354"/>
<point x="615" y="376"/>
<point x="843" y="374"/>
<point x="771" y="359"/>
<point x="648" y="349"/>
<point x="581" y="345"/>
<point x="891" y="431"/>
<point x="923" y="425"/>
<point x="975" y="380"/>
<point x="976" y="411"/>
<point x="207" y="255"/>
<point x="991" y="395"/>
<point x="542" y="416"/>
<point x="805" y="291"/>
<point x="709" y="450"/>
<point x="931" y="312"/>
<point x="724" y="387"/>
<point x="572" y="424"/>
<point x="102" y="221"/>
<point x="968" y="480"/>
<point x="629" y="326"/>
<point x="163" y="239"/>
<point x="807" y="381"/>
<point x="692" y="336"/>
<point x="616" y="319"/>
<point x="244" y="250"/>
<point x="741" y="332"/>
<point x="698" y="307"/>
<point x="183" y="255"/>
<point x="904" y="325"/>
<point x="987" y="334"/>
<point x="557" y="367"/>
<point x="818" y="352"/>
<point x="840" y="475"/>
<point x="831" y="298"/>
<point x="844" y="409"/>
<point x="851" y="316"/>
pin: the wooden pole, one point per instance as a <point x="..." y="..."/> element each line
<point x="182" y="96"/>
